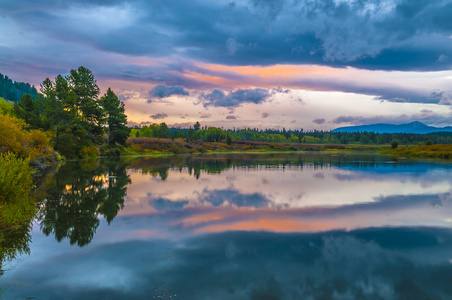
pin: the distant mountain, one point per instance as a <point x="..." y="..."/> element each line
<point x="413" y="127"/>
<point x="13" y="90"/>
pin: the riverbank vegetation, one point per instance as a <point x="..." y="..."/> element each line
<point x="422" y="151"/>
<point x="16" y="203"/>
<point x="296" y="136"/>
<point x="140" y="146"/>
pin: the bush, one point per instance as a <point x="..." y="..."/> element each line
<point x="16" y="203"/>
<point x="15" y="139"/>
<point x="107" y="150"/>
<point x="394" y="144"/>
<point x="89" y="151"/>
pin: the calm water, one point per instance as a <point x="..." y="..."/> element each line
<point x="286" y="226"/>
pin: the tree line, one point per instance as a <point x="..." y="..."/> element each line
<point x="215" y="134"/>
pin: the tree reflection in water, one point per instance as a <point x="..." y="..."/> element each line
<point x="14" y="242"/>
<point x="78" y="194"/>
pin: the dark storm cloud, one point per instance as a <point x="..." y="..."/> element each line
<point x="163" y="91"/>
<point x="219" y="98"/>
<point x="373" y="34"/>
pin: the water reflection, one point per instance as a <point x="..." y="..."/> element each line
<point x="13" y="243"/>
<point x="301" y="226"/>
<point x="286" y="193"/>
<point x="184" y="195"/>
<point x="387" y="263"/>
<point x="78" y="194"/>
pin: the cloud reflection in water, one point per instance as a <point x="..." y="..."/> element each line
<point x="278" y="227"/>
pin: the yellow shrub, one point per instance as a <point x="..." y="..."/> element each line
<point x="15" y="139"/>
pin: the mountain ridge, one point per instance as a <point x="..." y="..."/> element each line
<point x="413" y="127"/>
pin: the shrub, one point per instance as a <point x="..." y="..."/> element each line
<point x="107" y="150"/>
<point x="16" y="203"/>
<point x="394" y="144"/>
<point x="89" y="151"/>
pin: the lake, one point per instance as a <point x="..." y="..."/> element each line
<point x="239" y="226"/>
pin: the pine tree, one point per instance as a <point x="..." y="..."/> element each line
<point x="116" y="119"/>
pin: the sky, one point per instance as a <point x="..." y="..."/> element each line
<point x="313" y="64"/>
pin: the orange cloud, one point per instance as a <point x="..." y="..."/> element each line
<point x="270" y="225"/>
<point x="274" y="70"/>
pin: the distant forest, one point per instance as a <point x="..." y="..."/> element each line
<point x="214" y="134"/>
<point x="13" y="90"/>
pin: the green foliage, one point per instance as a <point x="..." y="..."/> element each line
<point x="6" y="107"/>
<point x="16" y="183"/>
<point x="32" y="144"/>
<point x="211" y="134"/>
<point x="394" y="144"/>
<point x="70" y="111"/>
<point x="116" y="119"/>
<point x="107" y="150"/>
<point x="228" y="140"/>
<point x="27" y="110"/>
<point x="89" y="151"/>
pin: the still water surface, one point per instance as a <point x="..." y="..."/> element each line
<point x="278" y="226"/>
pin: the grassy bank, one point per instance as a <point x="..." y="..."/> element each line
<point x="431" y="151"/>
<point x="140" y="146"/>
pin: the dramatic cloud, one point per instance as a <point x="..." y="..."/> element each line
<point x="158" y="116"/>
<point x="183" y="48"/>
<point x="163" y="91"/>
<point x="233" y="99"/>
<point x="373" y="34"/>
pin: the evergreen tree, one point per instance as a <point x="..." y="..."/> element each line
<point x="26" y="110"/>
<point x="56" y="101"/>
<point x="86" y="90"/>
<point x="116" y="120"/>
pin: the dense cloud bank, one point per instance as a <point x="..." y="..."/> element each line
<point x="373" y="34"/>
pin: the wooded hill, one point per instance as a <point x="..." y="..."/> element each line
<point x="13" y="90"/>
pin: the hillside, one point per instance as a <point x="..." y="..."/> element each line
<point x="13" y="90"/>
